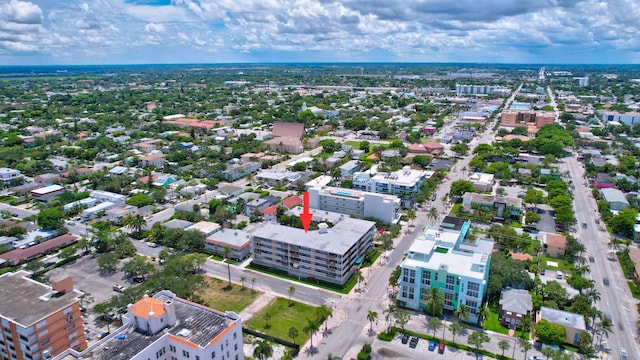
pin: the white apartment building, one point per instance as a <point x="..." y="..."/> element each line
<point x="400" y="183"/>
<point x="482" y="182"/>
<point x="328" y="254"/>
<point x="167" y="327"/>
<point x="9" y="175"/>
<point x="103" y="196"/>
<point x="354" y="202"/>
<point x="629" y="118"/>
<point x="440" y="258"/>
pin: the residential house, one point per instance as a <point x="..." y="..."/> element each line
<point x="573" y="323"/>
<point x="256" y="205"/>
<point x="205" y="227"/>
<point x="555" y="245"/>
<point x="482" y="182"/>
<point x="19" y="255"/>
<point x="615" y="198"/>
<point x="514" y="306"/>
<point x="154" y="160"/>
<point x="44" y="194"/>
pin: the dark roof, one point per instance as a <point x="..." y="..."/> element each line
<point x="18" y="255"/>
<point x="604" y="178"/>
<point x="452" y="222"/>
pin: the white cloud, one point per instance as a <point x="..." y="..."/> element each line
<point x="154" y="28"/>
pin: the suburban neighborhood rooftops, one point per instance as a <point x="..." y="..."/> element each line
<point x="563" y="318"/>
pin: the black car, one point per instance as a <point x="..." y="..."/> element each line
<point x="414" y="342"/>
<point x="592" y="259"/>
<point x="605" y="281"/>
<point x="405" y="338"/>
<point x="433" y="197"/>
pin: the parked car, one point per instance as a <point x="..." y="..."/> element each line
<point x="543" y="271"/>
<point x="414" y="342"/>
<point x="153" y="245"/>
<point x="441" y="348"/>
<point x="605" y="281"/>
<point x="433" y="197"/>
<point x="536" y="357"/>
<point x="623" y="354"/>
<point x="592" y="259"/>
<point x="432" y="345"/>
<point x="405" y="338"/>
<point x="118" y="288"/>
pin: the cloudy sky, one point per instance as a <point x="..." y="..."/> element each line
<point x="34" y="32"/>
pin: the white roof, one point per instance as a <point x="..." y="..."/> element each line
<point x="47" y="190"/>
<point x="204" y="227"/>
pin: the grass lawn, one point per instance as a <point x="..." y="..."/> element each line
<point x="492" y="323"/>
<point x="516" y="224"/>
<point x="375" y="257"/>
<point x="283" y="317"/>
<point x="563" y="265"/>
<point x="216" y="295"/>
<point x="455" y="207"/>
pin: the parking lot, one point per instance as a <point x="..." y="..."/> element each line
<point x="88" y="278"/>
<point x="395" y="349"/>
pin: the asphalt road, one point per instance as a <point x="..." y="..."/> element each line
<point x="616" y="299"/>
<point x="22" y="213"/>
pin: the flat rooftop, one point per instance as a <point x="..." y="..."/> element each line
<point x="26" y="301"/>
<point x="196" y="324"/>
<point x="337" y="240"/>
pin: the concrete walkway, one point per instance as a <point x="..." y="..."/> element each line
<point x="258" y="304"/>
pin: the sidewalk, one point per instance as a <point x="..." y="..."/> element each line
<point x="338" y="317"/>
<point x="258" y="304"/>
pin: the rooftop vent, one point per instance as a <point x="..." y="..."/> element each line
<point x="184" y="332"/>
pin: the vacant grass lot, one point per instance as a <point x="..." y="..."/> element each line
<point x="217" y="296"/>
<point x="283" y="316"/>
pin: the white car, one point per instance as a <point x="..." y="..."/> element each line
<point x="623" y="354"/>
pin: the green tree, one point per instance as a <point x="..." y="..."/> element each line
<point x="293" y="333"/>
<point x="108" y="262"/>
<point x="462" y="312"/>
<point x="371" y="317"/>
<point x="253" y="283"/>
<point x="50" y="219"/>
<point x="477" y="339"/>
<point x="67" y="252"/>
<point x="323" y="313"/>
<point x="137" y="267"/>
<point x="140" y="200"/>
<point x="292" y="290"/>
<point x="623" y="222"/>
<point x="311" y="328"/>
<point x="534" y="196"/>
<point x="525" y="346"/>
<point x="504" y="346"/>
<point x="550" y="333"/>
<point x="435" y="324"/>
<point x="226" y="252"/>
<point x="459" y="187"/>
<point x="263" y="350"/>
<point x="402" y="317"/>
<point x="434" y="302"/>
<point x="136" y="223"/>
<point x="455" y="328"/>
<point x="267" y="319"/>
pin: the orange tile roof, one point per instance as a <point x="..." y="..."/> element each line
<point x="222" y="333"/>
<point x="555" y="240"/>
<point x="183" y="341"/>
<point x="271" y="210"/>
<point x="147" y="305"/>
<point x="292" y="201"/>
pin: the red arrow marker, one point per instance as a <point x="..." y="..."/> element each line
<point x="305" y="216"/>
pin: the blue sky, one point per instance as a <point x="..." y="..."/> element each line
<point x="43" y="32"/>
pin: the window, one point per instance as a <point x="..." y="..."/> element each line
<point x="197" y="357"/>
<point x="473" y="289"/>
<point x="71" y="327"/>
<point x="426" y="277"/>
<point x="68" y="318"/>
<point x="172" y="348"/>
<point x="45" y="341"/>
<point x="213" y="355"/>
<point x="448" y="299"/>
<point x="67" y="310"/>
<point x="185" y="353"/>
<point x="409" y="276"/>
<point x="235" y="347"/>
<point x="472" y="306"/>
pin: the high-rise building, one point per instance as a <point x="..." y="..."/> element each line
<point x="353" y="202"/>
<point x="440" y="258"/>
<point x="38" y="320"/>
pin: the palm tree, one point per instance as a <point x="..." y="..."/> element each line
<point x="411" y="214"/>
<point x="433" y="214"/>
<point x="593" y="294"/>
<point x="263" y="350"/>
<point x="311" y="328"/>
<point x="359" y="277"/>
<point x="483" y="313"/>
<point x="525" y="346"/>
<point x="605" y="327"/>
<point x="324" y="313"/>
<point x="293" y="333"/>
<point x="287" y="355"/>
<point x="455" y="328"/>
<point x="435" y="323"/>
<point x="267" y="317"/>
<point x="388" y="314"/>
<point x="371" y="316"/>
<point x="226" y="252"/>
<point x="242" y="280"/>
<point x="253" y="283"/>
<point x="462" y="313"/>
<point x="504" y="346"/>
<point x="292" y="290"/>
<point x="434" y="301"/>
